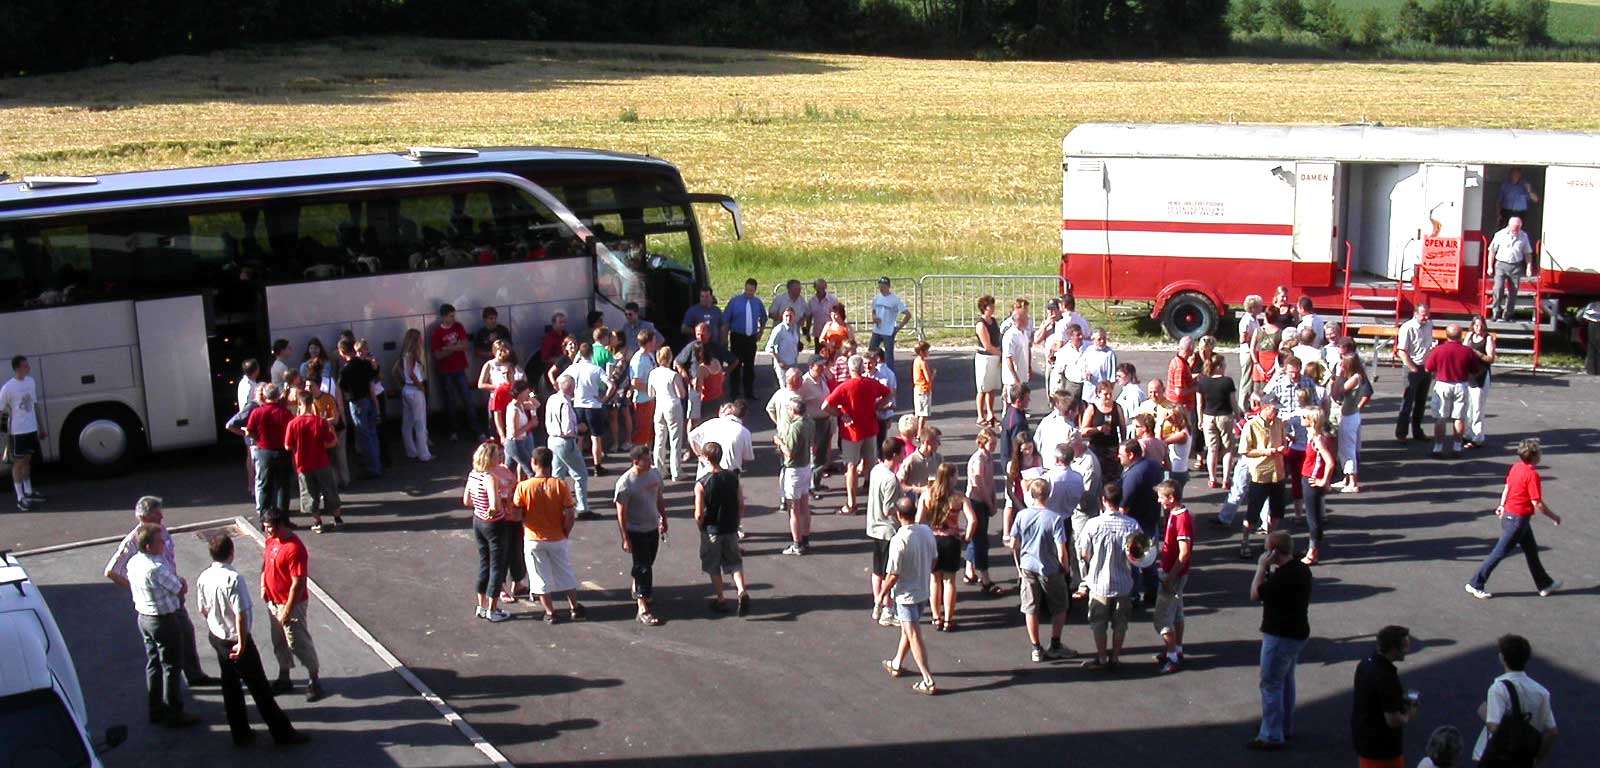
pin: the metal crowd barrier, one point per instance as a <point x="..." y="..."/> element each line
<point x="951" y="301"/>
<point x="856" y="293"/>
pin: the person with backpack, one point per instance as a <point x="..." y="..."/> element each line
<point x="1519" y="726"/>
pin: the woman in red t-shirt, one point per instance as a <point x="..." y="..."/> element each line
<point x="1316" y="471"/>
<point x="1522" y="496"/>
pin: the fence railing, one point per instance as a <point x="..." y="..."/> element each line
<point x="941" y="301"/>
<point x="951" y="301"/>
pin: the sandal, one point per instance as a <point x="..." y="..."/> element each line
<point x="894" y="671"/>
<point x="925" y="687"/>
<point x="969" y="579"/>
<point x="649" y="619"/>
<point x="991" y="588"/>
<point x="846" y="511"/>
<point x="577" y="613"/>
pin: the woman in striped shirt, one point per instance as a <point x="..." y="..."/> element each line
<point x="488" y="494"/>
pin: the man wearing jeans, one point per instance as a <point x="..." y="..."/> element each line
<point x="267" y="426"/>
<point x="158" y="594"/>
<point x="561" y="426"/>
<point x="358" y="380"/>
<point x="450" y="344"/>
<point x="1510" y="250"/>
<point x="1413" y="345"/>
<point x="1282" y="585"/>
<point x="1522" y="496"/>
<point x="889" y="315"/>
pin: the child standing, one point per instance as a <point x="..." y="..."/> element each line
<point x="922" y="376"/>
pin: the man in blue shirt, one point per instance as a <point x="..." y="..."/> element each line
<point x="1140" y="474"/>
<point x="1039" y="539"/>
<point x="745" y="317"/>
<point x="705" y="312"/>
<point x="889" y="315"/>
<point x="1516" y="196"/>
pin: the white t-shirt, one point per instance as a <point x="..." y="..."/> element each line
<point x="588" y="384"/>
<point x="1533" y="698"/>
<point x="660" y="386"/>
<point x="246" y="392"/>
<point x="18" y="398"/>
<point x="886" y="311"/>
<point x="731" y="434"/>
<point x="1316" y="324"/>
<point x="1248" y="324"/>
<point x="1014" y="352"/>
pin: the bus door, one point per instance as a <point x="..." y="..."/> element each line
<point x="177" y="381"/>
<point x="1315" y="235"/>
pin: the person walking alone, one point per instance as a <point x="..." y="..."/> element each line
<point x="642" y="521"/>
<point x="905" y="585"/>
<point x="1522" y="495"/>
<point x="1282" y="585"/>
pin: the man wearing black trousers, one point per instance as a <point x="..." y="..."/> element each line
<point x="1413" y="344"/>
<point x="745" y="317"/>
<point x="225" y="604"/>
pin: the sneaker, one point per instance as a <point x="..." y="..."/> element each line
<point x="793" y="549"/>
<point x="886" y="619"/>
<point x="744" y="604"/>
<point x="496" y="615"/>
<point x="1168" y="667"/>
<point x="1551" y="589"/>
<point x="22" y="505"/>
<point x="1479" y="593"/>
<point x="1059" y="651"/>
<point x="35" y="496"/>
<point x="1036" y="655"/>
<point x="481" y="612"/>
<point x="877" y="611"/>
<point x="314" y="692"/>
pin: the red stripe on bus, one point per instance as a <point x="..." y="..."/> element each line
<point x="1186" y="227"/>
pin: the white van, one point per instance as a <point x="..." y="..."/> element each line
<point x="43" y="721"/>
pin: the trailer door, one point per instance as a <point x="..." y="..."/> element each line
<point x="1315" y="205"/>
<point x="1443" y="198"/>
<point x="1572" y="198"/>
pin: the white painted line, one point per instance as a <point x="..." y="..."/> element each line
<point x="444" y="709"/>
<point x="116" y="539"/>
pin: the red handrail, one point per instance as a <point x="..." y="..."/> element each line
<point x="1349" y="256"/>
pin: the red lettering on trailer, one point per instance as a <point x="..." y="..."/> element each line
<point x="1580" y="183"/>
<point x="1315" y="177"/>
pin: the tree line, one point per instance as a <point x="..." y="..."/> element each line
<point x="53" y="35"/>
<point x="1454" y="23"/>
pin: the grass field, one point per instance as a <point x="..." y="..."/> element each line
<point x="867" y="165"/>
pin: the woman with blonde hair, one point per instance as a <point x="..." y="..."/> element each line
<point x="941" y="509"/>
<point x="1352" y="391"/>
<point x="488" y="494"/>
<point x="411" y="370"/>
<point x="980" y="495"/>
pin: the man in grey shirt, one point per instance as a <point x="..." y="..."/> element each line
<point x="1510" y="250"/>
<point x="883" y="490"/>
<point x="906" y="583"/>
<point x="642" y="521"/>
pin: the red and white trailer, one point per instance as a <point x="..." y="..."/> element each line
<point x="1364" y="219"/>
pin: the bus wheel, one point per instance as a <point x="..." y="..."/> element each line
<point x="101" y="440"/>
<point x="1189" y="313"/>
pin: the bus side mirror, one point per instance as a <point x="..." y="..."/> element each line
<point x="114" y="737"/>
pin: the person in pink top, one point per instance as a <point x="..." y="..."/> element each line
<point x="856" y="402"/>
<point x="1452" y="365"/>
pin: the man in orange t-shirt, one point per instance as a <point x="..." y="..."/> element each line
<point x="549" y="511"/>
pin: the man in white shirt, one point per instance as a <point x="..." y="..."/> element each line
<point x="814" y="390"/>
<point x="561" y="430"/>
<point x="1412" y="345"/>
<point x="1533" y="699"/>
<point x="1306" y="351"/>
<point x="148" y="512"/>
<point x="1510" y="250"/>
<point x="588" y="393"/>
<point x="1099" y="362"/>
<point x="158" y="593"/>
<point x="889" y="315"/>
<point x="784" y="343"/>
<point x="1057" y="428"/>
<point x="1016" y="360"/>
<point x="1066" y="373"/>
<point x="727" y="430"/>
<point x="817" y="307"/>
<point x="225" y="604"/>
<point x="1310" y="319"/>
<point x="19" y="401"/>
<point x="1074" y="319"/>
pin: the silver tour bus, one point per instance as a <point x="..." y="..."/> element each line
<point x="136" y="296"/>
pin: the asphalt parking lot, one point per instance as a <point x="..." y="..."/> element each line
<point x="797" y="682"/>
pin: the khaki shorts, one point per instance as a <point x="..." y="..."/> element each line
<point x="1218" y="431"/>
<point x="922" y="404"/>
<point x="864" y="450"/>
<point x="1449" y="399"/>
<point x="1109" y="610"/>
<point x="1043" y="596"/>
<point x="1168" y="613"/>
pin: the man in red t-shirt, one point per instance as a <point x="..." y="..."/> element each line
<point x="1176" y="544"/>
<point x="449" y="343"/>
<point x="1452" y="365"/>
<point x="283" y="589"/>
<point x="308" y="438"/>
<point x="1522" y="496"/>
<point x="856" y="402"/>
<point x="266" y="426"/>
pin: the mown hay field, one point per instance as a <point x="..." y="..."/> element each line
<point x="846" y="165"/>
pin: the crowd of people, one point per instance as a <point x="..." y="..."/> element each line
<point x="1091" y="495"/>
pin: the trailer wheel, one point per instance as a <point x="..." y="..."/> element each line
<point x="1189" y="313"/>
